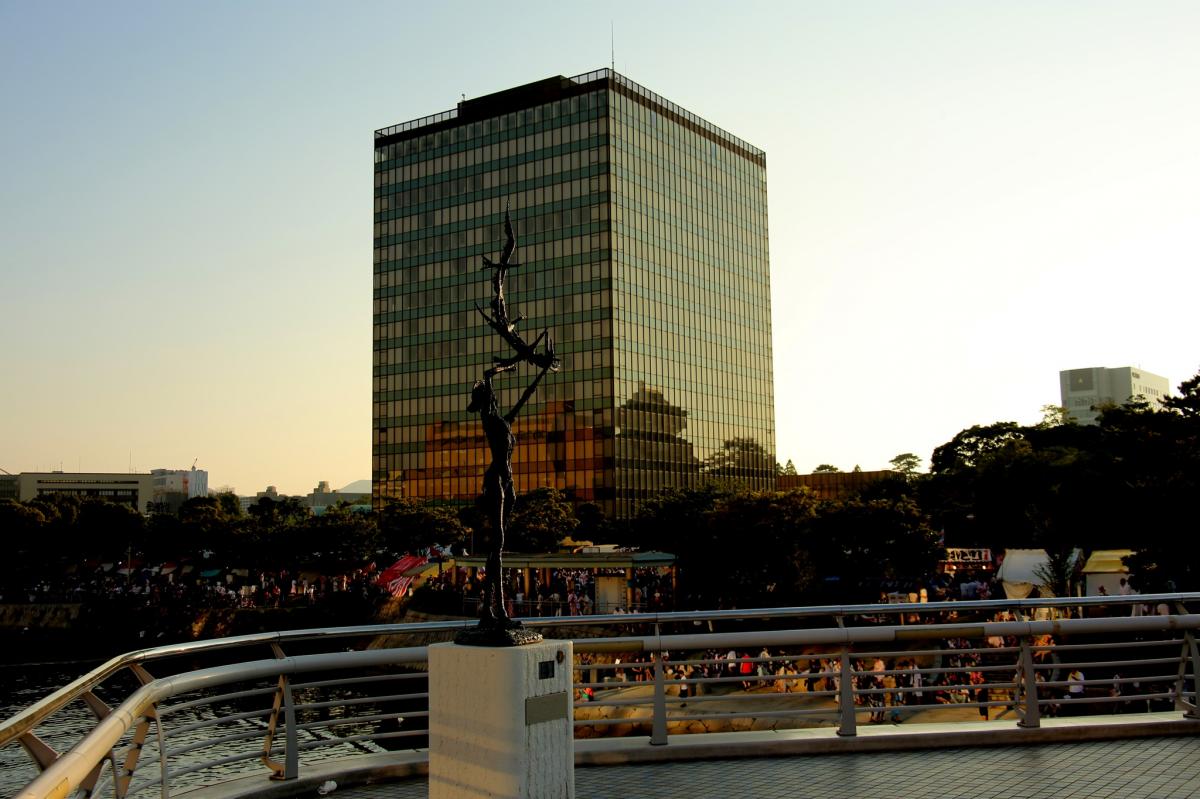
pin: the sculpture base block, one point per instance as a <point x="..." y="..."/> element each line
<point x="500" y="721"/>
<point x="496" y="636"/>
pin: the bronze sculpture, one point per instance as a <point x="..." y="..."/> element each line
<point x="496" y="627"/>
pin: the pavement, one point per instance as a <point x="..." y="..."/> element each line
<point x="1125" y="768"/>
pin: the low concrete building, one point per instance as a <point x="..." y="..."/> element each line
<point x="271" y="493"/>
<point x="323" y="497"/>
<point x="135" y="490"/>
<point x="1082" y="390"/>
<point x="832" y="485"/>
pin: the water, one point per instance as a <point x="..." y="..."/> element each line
<point x="20" y="686"/>
<point x="23" y="685"/>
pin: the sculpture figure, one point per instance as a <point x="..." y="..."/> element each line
<point x="499" y="321"/>
<point x="496" y="628"/>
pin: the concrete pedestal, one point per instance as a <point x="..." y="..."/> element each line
<point x="500" y="721"/>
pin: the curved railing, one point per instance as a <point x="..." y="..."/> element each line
<point x="274" y="703"/>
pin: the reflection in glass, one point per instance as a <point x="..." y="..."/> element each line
<point x="644" y="238"/>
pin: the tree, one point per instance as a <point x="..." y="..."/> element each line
<point x="230" y="505"/>
<point x="273" y="514"/>
<point x="109" y="530"/>
<point x="20" y="521"/>
<point x="1055" y="415"/>
<point x="826" y="468"/>
<point x="340" y="539"/>
<point x="970" y="447"/>
<point x="1059" y="571"/>
<point x="540" y="520"/>
<point x="789" y="469"/>
<point x="673" y="519"/>
<point x="25" y="527"/>
<point x="593" y="524"/>
<point x="164" y="538"/>
<point x="742" y="461"/>
<point x="868" y="541"/>
<point x="756" y="550"/>
<point x="1158" y="453"/>
<point x="411" y="525"/>
<point x="906" y="463"/>
<point x="1011" y="486"/>
<point x="1187" y="402"/>
<point x="203" y="527"/>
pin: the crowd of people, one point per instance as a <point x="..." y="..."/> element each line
<point x="884" y="685"/>
<point x="208" y="588"/>
<point x="983" y="673"/>
<point x="164" y="605"/>
<point x="568" y="592"/>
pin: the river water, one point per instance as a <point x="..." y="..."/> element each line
<point x="23" y="684"/>
<point x="20" y="686"/>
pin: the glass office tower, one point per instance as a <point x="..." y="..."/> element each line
<point x="642" y="248"/>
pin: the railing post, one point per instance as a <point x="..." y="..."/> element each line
<point x="290" y="769"/>
<point x="658" y="729"/>
<point x="847" y="724"/>
<point x="1032" y="717"/>
<point x="1193" y="711"/>
<point x="125" y="776"/>
<point x="291" y="760"/>
<point x="164" y="775"/>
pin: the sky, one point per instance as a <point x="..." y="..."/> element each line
<point x="964" y="197"/>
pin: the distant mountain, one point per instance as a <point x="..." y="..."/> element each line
<point x="357" y="487"/>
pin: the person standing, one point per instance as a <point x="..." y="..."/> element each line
<point x="814" y="670"/>
<point x="979" y="693"/>
<point x="1075" y="686"/>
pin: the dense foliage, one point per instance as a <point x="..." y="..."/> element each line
<point x="1128" y="482"/>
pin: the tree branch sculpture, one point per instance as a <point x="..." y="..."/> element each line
<point x="496" y="628"/>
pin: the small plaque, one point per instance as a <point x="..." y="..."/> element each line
<point x="550" y="707"/>
<point x="546" y="670"/>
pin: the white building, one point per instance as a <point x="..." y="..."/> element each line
<point x="173" y="487"/>
<point x="136" y="490"/>
<point x="1084" y="389"/>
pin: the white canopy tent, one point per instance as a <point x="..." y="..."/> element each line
<point x="1019" y="573"/>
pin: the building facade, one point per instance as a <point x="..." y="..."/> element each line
<point x="642" y="248"/>
<point x="135" y="490"/>
<point x="10" y="487"/>
<point x="833" y="485"/>
<point x="324" y="496"/>
<point x="173" y="487"/>
<point x="1084" y="389"/>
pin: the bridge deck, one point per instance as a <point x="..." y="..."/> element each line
<point x="1061" y="766"/>
<point x="1144" y="768"/>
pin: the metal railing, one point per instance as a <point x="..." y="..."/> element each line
<point x="271" y="704"/>
<point x="584" y="78"/>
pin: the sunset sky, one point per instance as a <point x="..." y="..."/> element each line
<point x="965" y="198"/>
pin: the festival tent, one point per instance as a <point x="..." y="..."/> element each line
<point x="1106" y="568"/>
<point x="400" y="575"/>
<point x="1019" y="573"/>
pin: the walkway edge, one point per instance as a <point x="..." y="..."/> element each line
<point x="596" y="752"/>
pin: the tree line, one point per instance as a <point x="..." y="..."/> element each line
<point x="1127" y="482"/>
<point x="59" y="534"/>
